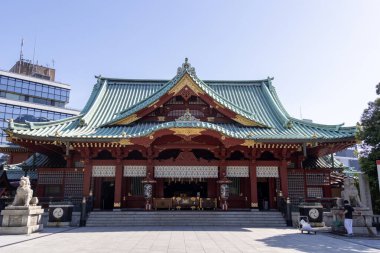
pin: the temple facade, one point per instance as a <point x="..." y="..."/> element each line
<point x="183" y="143"/>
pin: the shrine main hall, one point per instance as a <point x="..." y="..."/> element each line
<point x="183" y="143"/>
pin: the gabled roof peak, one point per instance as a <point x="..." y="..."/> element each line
<point x="186" y="66"/>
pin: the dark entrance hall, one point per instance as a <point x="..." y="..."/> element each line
<point x="108" y="192"/>
<point x="185" y="189"/>
<point x="263" y="195"/>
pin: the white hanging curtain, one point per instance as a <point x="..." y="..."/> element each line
<point x="237" y="171"/>
<point x="103" y="171"/>
<point x="267" y="171"/>
<point x="135" y="171"/>
<point x="186" y="171"/>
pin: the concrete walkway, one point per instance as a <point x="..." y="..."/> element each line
<point x="182" y="239"/>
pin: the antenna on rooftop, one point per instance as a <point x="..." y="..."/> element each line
<point x="34" y="53"/>
<point x="22" y="44"/>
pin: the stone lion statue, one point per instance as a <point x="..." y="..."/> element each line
<point x="351" y="193"/>
<point x="24" y="194"/>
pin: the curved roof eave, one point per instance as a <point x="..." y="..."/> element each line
<point x="225" y="129"/>
<point x="169" y="85"/>
<point x="336" y="127"/>
<point x="37" y="125"/>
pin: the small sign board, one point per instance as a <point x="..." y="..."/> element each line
<point x="60" y="213"/>
<point x="378" y="171"/>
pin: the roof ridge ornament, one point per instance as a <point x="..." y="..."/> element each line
<point x="98" y="82"/>
<point x="11" y="124"/>
<point x="186" y="66"/>
<point x="187" y="117"/>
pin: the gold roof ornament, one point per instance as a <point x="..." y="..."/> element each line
<point x="186" y="66"/>
<point x="125" y="142"/>
<point x="187" y="131"/>
<point x="249" y="143"/>
<point x="187" y="117"/>
<point x="127" y="120"/>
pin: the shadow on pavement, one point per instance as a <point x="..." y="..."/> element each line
<point x="318" y="243"/>
<point x="160" y="228"/>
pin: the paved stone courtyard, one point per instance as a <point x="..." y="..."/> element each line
<point x="182" y="239"/>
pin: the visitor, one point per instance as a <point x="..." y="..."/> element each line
<point x="348" y="210"/>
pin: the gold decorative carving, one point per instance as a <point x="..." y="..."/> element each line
<point x="154" y="104"/>
<point x="210" y="119"/>
<point x="186" y="80"/>
<point x="127" y="120"/>
<point x="116" y="204"/>
<point x="8" y="132"/>
<point x="249" y="143"/>
<point x="187" y="131"/>
<point x="125" y="142"/>
<point x="218" y="105"/>
<point x="246" y="122"/>
<point x="161" y="118"/>
<point x="254" y="205"/>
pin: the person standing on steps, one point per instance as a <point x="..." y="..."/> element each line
<point x="348" y="210"/>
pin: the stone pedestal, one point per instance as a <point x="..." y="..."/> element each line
<point x="21" y="220"/>
<point x="361" y="221"/>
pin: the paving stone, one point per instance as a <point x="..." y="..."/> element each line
<point x="183" y="239"/>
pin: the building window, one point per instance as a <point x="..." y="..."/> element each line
<point x="235" y="186"/>
<point x="22" y="114"/>
<point x="137" y="188"/>
<point x="53" y="190"/>
<point x="34" y="89"/>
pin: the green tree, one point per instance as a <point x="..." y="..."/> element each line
<point x="369" y="133"/>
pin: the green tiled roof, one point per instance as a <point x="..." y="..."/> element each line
<point x="166" y="87"/>
<point x="39" y="160"/>
<point x="113" y="99"/>
<point x="321" y="163"/>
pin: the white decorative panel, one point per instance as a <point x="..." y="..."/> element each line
<point x="135" y="171"/>
<point x="237" y="171"/>
<point x="314" y="192"/>
<point x="186" y="171"/>
<point x="267" y="171"/>
<point x="103" y="171"/>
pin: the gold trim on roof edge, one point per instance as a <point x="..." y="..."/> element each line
<point x="246" y="122"/>
<point x="186" y="81"/>
<point x="249" y="143"/>
<point x="125" y="142"/>
<point x="127" y="120"/>
<point x="187" y="131"/>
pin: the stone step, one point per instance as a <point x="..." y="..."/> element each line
<point x="183" y="224"/>
<point x="178" y="222"/>
<point x="173" y="213"/>
<point x="188" y="215"/>
<point x="184" y="221"/>
<point x="186" y="218"/>
<point x="184" y="214"/>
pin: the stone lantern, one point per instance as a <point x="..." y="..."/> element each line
<point x="224" y="191"/>
<point x="148" y="191"/>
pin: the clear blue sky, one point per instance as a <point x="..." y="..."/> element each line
<point x="324" y="55"/>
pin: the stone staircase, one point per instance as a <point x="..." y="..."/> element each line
<point x="186" y="218"/>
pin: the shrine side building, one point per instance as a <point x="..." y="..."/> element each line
<point x="146" y="143"/>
